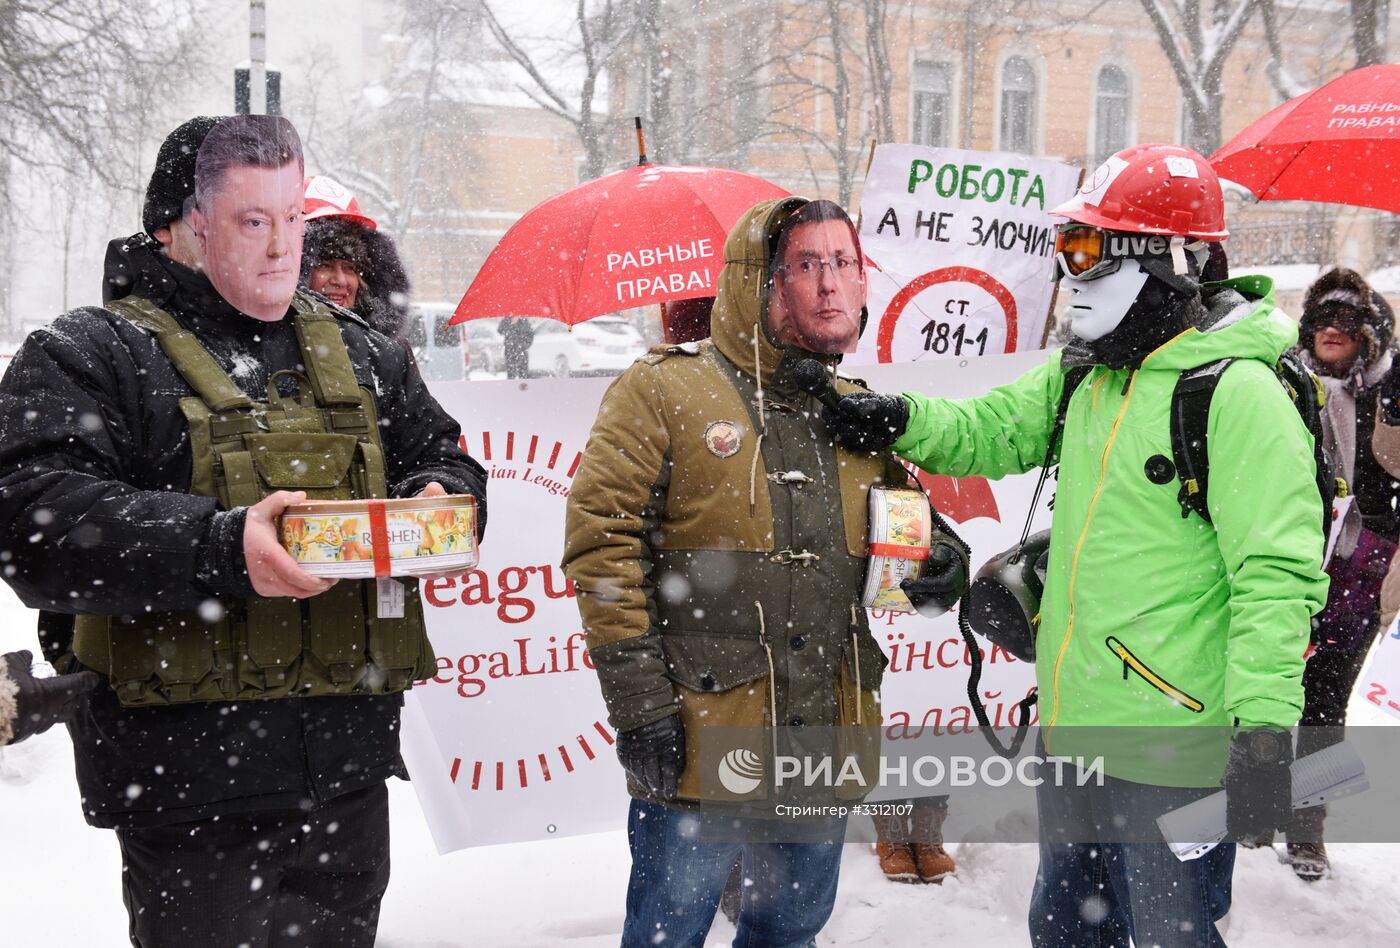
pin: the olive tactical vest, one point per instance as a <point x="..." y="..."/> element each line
<point x="324" y="441"/>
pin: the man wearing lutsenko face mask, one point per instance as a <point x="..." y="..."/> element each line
<point x="1171" y="601"/>
<point x="716" y="535"/>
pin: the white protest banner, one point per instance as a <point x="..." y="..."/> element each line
<point x="963" y="248"/>
<point x="1380" y="682"/>
<point x="510" y="740"/>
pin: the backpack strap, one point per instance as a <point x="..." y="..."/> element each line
<point x="1073" y="378"/>
<point x="1190" y="417"/>
<point x="324" y="353"/>
<point x="1309" y="397"/>
<point x="184" y="350"/>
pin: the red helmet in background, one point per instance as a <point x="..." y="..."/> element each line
<point x="1152" y="189"/>
<point x="327" y="197"/>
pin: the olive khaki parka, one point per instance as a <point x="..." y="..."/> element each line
<point x="1150" y="618"/>
<point x="717" y="542"/>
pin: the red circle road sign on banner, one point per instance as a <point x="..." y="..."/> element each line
<point x="979" y="278"/>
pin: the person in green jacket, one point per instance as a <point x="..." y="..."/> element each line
<point x="1149" y="617"/>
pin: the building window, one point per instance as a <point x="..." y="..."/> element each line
<point x="1018" y="95"/>
<point x="1111" y="105"/>
<point x="933" y="104"/>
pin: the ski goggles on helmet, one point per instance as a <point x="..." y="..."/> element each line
<point x="1081" y="252"/>
<point x="1085" y="252"/>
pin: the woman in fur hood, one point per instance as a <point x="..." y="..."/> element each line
<point x="1345" y="336"/>
<point x="348" y="260"/>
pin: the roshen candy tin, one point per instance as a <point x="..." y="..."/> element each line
<point x="361" y="539"/>
<point x="900" y="533"/>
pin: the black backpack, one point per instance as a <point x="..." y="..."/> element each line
<point x="1190" y="413"/>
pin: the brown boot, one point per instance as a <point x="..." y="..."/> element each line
<point x="932" y="859"/>
<point x="1307" y="853"/>
<point x="892" y="848"/>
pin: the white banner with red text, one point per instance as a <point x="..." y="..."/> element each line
<point x="510" y="740"/>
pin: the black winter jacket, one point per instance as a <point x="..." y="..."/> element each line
<point x="1377" y="493"/>
<point x="95" y="518"/>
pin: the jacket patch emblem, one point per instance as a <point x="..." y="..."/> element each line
<point x="724" y="438"/>
<point x="1159" y="469"/>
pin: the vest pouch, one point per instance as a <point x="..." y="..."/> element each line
<point x="295" y="460"/>
<point x="333" y="648"/>
<point x="721" y="681"/>
<point x="270" y="640"/>
<point x="168" y="658"/>
<point x="399" y="648"/>
<point x="371" y="480"/>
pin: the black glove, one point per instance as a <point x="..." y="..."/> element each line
<point x="866" y="421"/>
<point x="1388" y="395"/>
<point x="942" y="584"/>
<point x="40" y="703"/>
<point x="654" y="755"/>
<point x="1258" y="785"/>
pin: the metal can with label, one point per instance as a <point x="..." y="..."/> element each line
<point x="362" y="539"/>
<point x="901" y="526"/>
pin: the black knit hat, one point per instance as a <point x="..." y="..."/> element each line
<point x="172" y="182"/>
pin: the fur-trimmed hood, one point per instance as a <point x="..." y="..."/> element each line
<point x="1343" y="296"/>
<point x="384" y="291"/>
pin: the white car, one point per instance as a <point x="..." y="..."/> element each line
<point x="602" y="346"/>
<point x="436" y="345"/>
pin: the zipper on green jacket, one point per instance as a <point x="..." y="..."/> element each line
<point x="1074" y="561"/>
<point x="1152" y="678"/>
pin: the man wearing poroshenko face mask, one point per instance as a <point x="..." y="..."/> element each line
<point x="716" y="535"/>
<point x="248" y="712"/>
<point x="247" y="218"/>
<point x="1158" y="611"/>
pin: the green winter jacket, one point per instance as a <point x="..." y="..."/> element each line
<point x="1149" y="618"/>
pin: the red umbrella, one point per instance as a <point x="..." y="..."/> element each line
<point x="1339" y="143"/>
<point x="644" y="235"/>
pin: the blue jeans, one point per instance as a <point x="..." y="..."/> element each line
<point x="1104" y="878"/>
<point x="681" y="859"/>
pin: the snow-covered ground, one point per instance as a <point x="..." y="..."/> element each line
<point x="60" y="879"/>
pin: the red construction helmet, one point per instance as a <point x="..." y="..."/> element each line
<point x="1152" y="189"/>
<point x="327" y="197"/>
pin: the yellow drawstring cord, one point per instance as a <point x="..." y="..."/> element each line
<point x="855" y="661"/>
<point x="753" y="473"/>
<point x="772" y="680"/>
<point x="762" y="422"/>
<point x="758" y="374"/>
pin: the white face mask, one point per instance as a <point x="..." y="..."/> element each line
<point x="1096" y="307"/>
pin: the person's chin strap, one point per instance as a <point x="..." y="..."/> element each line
<point x="1178" y="256"/>
<point x="1187" y="258"/>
